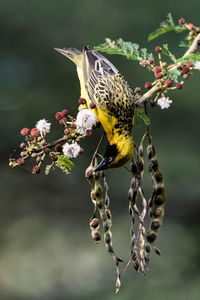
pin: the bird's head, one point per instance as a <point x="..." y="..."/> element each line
<point x="116" y="155"/>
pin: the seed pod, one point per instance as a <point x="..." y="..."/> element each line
<point x="159" y="200"/>
<point x="89" y="173"/>
<point x="150" y="151"/>
<point x="158" y="197"/>
<point x="155" y="225"/>
<point x="96" y="235"/>
<point x="94" y="223"/>
<point x="151" y="237"/>
<point x="22" y="145"/>
<point x="118" y="284"/>
<point x="158" y="212"/>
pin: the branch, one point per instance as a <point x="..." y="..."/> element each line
<point x="158" y="86"/>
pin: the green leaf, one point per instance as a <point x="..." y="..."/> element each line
<point x="64" y="163"/>
<point x="174" y="75"/>
<point x="160" y="31"/>
<point x="47" y="169"/>
<point x="140" y="115"/>
<point x="131" y="50"/>
<point x="183" y="44"/>
<point x="166" y="52"/>
<point x="194" y="57"/>
<point x="165" y="27"/>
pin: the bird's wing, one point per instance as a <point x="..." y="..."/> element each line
<point x="100" y="78"/>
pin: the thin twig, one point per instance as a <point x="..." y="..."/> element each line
<point x="157" y="87"/>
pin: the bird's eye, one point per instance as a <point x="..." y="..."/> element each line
<point x="110" y="159"/>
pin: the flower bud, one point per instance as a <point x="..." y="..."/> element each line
<point x="168" y="82"/>
<point x="92" y="105"/>
<point x="144" y="63"/>
<point x="23" y="153"/>
<point x="181" y="21"/>
<point x="137" y="90"/>
<point x="88" y="132"/>
<point x="35" y="132"/>
<point x="157" y="69"/>
<point x="82" y="101"/>
<point x="53" y="157"/>
<point x="36" y="169"/>
<point x="47" y="150"/>
<point x="185" y="70"/>
<point x="20" y="161"/>
<point x="159" y="75"/>
<point x="22" y="145"/>
<point x="59" y="115"/>
<point x="150" y="61"/>
<point x="65" y="112"/>
<point x="158" y="49"/>
<point x="62" y="121"/>
<point x="25" y="131"/>
<point x="179" y="85"/>
<point x="58" y="148"/>
<point x="189" y="64"/>
<point x="148" y="85"/>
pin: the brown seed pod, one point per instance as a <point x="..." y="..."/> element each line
<point x="151" y="237"/>
<point x="89" y="172"/>
<point x="155" y="225"/>
<point x="96" y="235"/>
<point x="94" y="223"/>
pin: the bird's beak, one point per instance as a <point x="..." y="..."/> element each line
<point x="102" y="165"/>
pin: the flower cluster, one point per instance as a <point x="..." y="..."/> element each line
<point x="36" y="146"/>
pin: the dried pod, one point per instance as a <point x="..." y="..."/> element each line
<point x="94" y="223"/>
<point x="158" y="176"/>
<point x="157" y="251"/>
<point x="150" y="151"/>
<point x="158" y="212"/>
<point x="159" y="200"/>
<point x="89" y="172"/>
<point x="148" y="248"/>
<point x="151" y="237"/>
<point x="96" y="235"/>
<point x="155" y="225"/>
<point x="108" y="237"/>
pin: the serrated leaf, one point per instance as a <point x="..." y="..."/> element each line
<point x="140" y="115"/>
<point x="47" y="169"/>
<point x="169" y="19"/>
<point x="168" y="53"/>
<point x="174" y="75"/>
<point x="194" y="57"/>
<point x="165" y="27"/>
<point x="64" y="163"/>
<point x="183" y="44"/>
<point x="160" y="31"/>
<point x="131" y="50"/>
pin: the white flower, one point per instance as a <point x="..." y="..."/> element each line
<point x="71" y="150"/>
<point x="85" y="120"/>
<point x="43" y="126"/>
<point x="164" y="102"/>
<point x="197" y="65"/>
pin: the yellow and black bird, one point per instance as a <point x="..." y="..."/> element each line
<point x="103" y="85"/>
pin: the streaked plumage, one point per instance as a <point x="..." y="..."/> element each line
<point x="102" y="84"/>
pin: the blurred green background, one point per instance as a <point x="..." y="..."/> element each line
<point x="46" y="252"/>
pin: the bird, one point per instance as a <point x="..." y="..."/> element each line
<point x="111" y="99"/>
